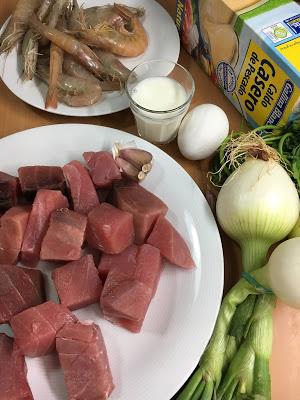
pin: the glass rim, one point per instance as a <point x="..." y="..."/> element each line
<point x="183" y="105"/>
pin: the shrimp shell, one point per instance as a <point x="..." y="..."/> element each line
<point x="75" y="92"/>
<point x="72" y="68"/>
<point x="17" y="25"/>
<point x="120" y="32"/>
<point x="59" y="8"/>
<point x="112" y="66"/>
<point x="30" y="44"/>
<point x="78" y="50"/>
<point x="29" y="54"/>
<point x="56" y="61"/>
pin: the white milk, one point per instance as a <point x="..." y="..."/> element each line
<point x="159" y="94"/>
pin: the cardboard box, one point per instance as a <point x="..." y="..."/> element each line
<point x="250" y="48"/>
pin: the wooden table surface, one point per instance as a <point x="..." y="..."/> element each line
<point x="17" y="116"/>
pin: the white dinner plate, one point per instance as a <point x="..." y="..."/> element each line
<point x="164" y="43"/>
<point x="153" y="364"/>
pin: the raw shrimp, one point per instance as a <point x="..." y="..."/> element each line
<point x="74" y="92"/>
<point x="59" y="8"/>
<point x="116" y="29"/>
<point x="29" y="54"/>
<point x="56" y="61"/>
<point x="30" y="44"/>
<point x="72" y="68"/>
<point x="112" y="66"/>
<point x="79" y="51"/>
<point x="18" y="24"/>
<point x="55" y="70"/>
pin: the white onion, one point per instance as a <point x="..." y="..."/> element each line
<point x="284" y="272"/>
<point x="257" y="206"/>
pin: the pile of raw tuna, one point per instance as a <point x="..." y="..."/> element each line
<point x="75" y="216"/>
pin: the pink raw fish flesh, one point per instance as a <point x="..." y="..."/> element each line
<point x="33" y="178"/>
<point x="13" y="225"/>
<point x="45" y="202"/>
<point x="13" y="371"/>
<point x="18" y="291"/>
<point x="109" y="229"/>
<point x="9" y="190"/>
<point x="77" y="283"/>
<point x="83" y="192"/>
<point x="64" y="237"/>
<point x="142" y="204"/>
<point x="35" y="329"/>
<point x="104" y="171"/>
<point x="171" y="244"/>
<point x="83" y="357"/>
<point x="130" y="286"/>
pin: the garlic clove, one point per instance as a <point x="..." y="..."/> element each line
<point x="137" y="157"/>
<point x="129" y="170"/>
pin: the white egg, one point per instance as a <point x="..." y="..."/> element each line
<point x="202" y="131"/>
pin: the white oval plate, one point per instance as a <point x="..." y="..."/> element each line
<point x="153" y="364"/>
<point x="164" y="43"/>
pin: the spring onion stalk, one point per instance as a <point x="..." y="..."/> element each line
<point x="247" y="372"/>
<point x="257" y="206"/>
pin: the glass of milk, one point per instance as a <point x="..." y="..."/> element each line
<point x="160" y="93"/>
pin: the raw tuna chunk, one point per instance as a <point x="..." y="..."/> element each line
<point x="45" y="202"/>
<point x="104" y="171"/>
<point x="37" y="279"/>
<point x="9" y="188"/>
<point x="83" y="357"/>
<point x="83" y="191"/>
<point x="18" y="291"/>
<point x="35" y="329"/>
<point x="64" y="237"/>
<point x="33" y="178"/>
<point x="109" y="229"/>
<point x="142" y="204"/>
<point x="170" y="243"/>
<point x="77" y="283"/>
<point x="148" y="266"/>
<point x="130" y="286"/>
<point x="13" y="371"/>
<point x="122" y="260"/>
<point x="12" y="230"/>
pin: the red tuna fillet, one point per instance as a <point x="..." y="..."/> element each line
<point x="9" y="190"/>
<point x="35" y="329"/>
<point x="130" y="287"/>
<point x="37" y="279"/>
<point x="18" y="291"/>
<point x="64" y="237"/>
<point x="83" y="191"/>
<point x="122" y="260"/>
<point x="77" y="283"/>
<point x="13" y="371"/>
<point x="103" y="168"/>
<point x="170" y="243"/>
<point x="142" y="204"/>
<point x="109" y="229"/>
<point x="45" y="202"/>
<point x="83" y="358"/>
<point x="12" y="230"/>
<point x="33" y="178"/>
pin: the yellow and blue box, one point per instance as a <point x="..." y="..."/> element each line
<point x="251" y="49"/>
